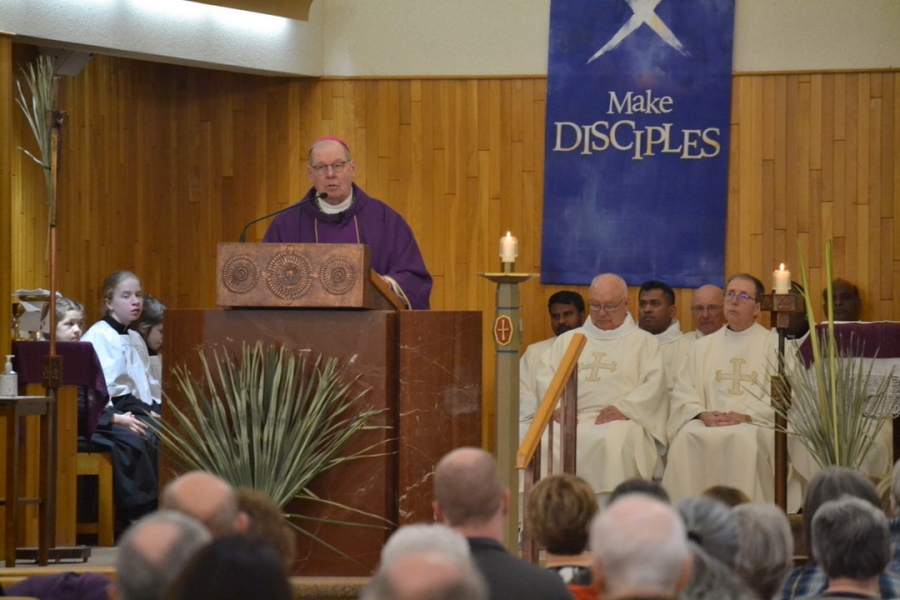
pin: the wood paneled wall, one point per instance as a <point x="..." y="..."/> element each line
<point x="162" y="162"/>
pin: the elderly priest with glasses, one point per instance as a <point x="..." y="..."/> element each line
<point x="720" y="397"/>
<point x="622" y="406"/>
<point x="336" y="211"/>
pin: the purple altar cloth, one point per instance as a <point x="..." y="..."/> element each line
<point x="80" y="367"/>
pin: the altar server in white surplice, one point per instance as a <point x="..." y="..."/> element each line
<point x="621" y="391"/>
<point x="720" y="396"/>
<point x="656" y="315"/>
<point x="566" y="310"/>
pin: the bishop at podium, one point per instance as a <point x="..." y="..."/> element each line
<point x="336" y="211"/>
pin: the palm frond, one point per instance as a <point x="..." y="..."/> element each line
<point x="39" y="80"/>
<point x="837" y="407"/>
<point x="271" y="421"/>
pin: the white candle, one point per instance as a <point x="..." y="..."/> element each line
<point x="782" y="280"/>
<point x="509" y="248"/>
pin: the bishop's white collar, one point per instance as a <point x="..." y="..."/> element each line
<point x="333" y="209"/>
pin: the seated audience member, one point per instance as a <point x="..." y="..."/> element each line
<point x="714" y="536"/>
<point x="729" y="496"/>
<point x="209" y="499"/>
<point x="707" y="303"/>
<point x="150" y="327"/>
<point x="847" y="302"/>
<point x="566" y="310"/>
<point x="851" y="541"/>
<point x="639" y="550"/>
<point x="622" y="406"/>
<point x="636" y="485"/>
<point x="426" y="561"/>
<point x="766" y="551"/>
<point x="69" y="319"/>
<point x="235" y="566"/>
<point x="831" y="483"/>
<point x="656" y="315"/>
<point x="712" y="525"/>
<point x="427" y="575"/>
<point x="152" y="553"/>
<point x="424" y="537"/>
<point x="267" y="520"/>
<point x="470" y="499"/>
<point x="124" y="428"/>
<point x="558" y="514"/>
<point x="717" y="404"/>
<point x="894" y="523"/>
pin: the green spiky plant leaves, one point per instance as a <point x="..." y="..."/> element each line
<point x="270" y="421"/>
<point x="837" y="407"/>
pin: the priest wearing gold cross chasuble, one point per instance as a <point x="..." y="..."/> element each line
<point x="716" y="401"/>
<point x="622" y="406"/>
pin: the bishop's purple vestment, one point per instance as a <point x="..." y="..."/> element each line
<point x="370" y="221"/>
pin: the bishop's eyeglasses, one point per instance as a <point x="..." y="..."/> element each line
<point x="336" y="167"/>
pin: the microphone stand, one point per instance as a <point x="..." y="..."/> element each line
<point x="243" y="235"/>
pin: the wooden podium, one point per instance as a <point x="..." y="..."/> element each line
<point x="423" y="367"/>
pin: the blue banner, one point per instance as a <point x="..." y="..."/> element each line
<point x="636" y="161"/>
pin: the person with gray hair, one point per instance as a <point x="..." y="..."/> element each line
<point x="831" y="483"/>
<point x="639" y="548"/>
<point x="850" y="538"/>
<point x="426" y="575"/>
<point x="766" y="551"/>
<point x="424" y="537"/>
<point x="426" y="560"/>
<point x="713" y="532"/>
<point x="152" y="553"/>
<point x="894" y="521"/>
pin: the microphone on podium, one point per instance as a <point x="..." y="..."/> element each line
<point x="243" y="235"/>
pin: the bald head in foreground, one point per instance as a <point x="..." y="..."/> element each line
<point x="639" y="549"/>
<point x="208" y="498"/>
<point x="470" y="499"/>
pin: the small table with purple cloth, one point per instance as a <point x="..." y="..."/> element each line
<point x="878" y="341"/>
<point x="81" y="370"/>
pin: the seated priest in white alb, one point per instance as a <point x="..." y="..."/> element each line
<point x="656" y="315"/>
<point x="566" y="310"/>
<point x="720" y="397"/>
<point x="621" y="391"/>
<point x="707" y="302"/>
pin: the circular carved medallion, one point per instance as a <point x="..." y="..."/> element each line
<point x="289" y="275"/>
<point x="240" y="274"/>
<point x="337" y="275"/>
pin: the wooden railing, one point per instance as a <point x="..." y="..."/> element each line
<point x="563" y="386"/>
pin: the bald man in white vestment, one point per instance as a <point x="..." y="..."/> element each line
<point x="707" y="302"/>
<point x="721" y="391"/>
<point x="621" y="391"/>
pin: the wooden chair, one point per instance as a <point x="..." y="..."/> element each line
<point x="99" y="464"/>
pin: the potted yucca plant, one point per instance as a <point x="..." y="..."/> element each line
<point x="267" y="420"/>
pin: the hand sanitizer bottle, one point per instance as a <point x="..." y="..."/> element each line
<point x="9" y="380"/>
